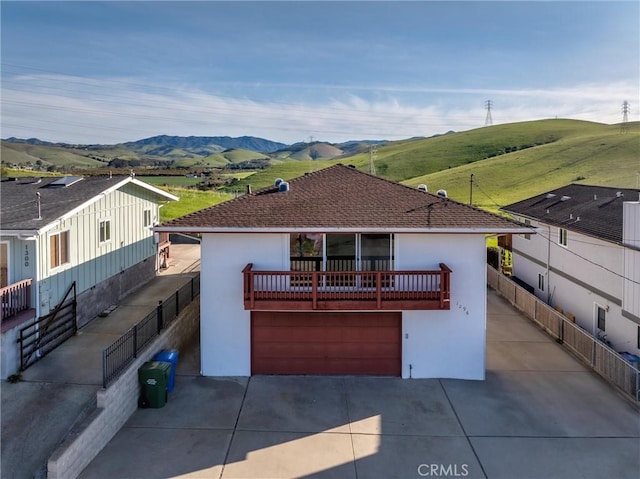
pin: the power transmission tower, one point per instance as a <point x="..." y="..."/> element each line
<point x="624" y="127"/>
<point x="488" y="121"/>
<point x="373" y="153"/>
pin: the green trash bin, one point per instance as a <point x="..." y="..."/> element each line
<point x="153" y="377"/>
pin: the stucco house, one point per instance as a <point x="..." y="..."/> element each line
<point x="585" y="259"/>
<point x="94" y="231"/>
<point x="342" y="272"/>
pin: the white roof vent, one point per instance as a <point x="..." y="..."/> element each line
<point x="283" y="186"/>
<point x="619" y="194"/>
<point x="423" y="187"/>
<point x="550" y="195"/>
<point x="278" y="181"/>
<point x="565" y="198"/>
<point x="442" y="193"/>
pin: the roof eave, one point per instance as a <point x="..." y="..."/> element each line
<point x="21" y="234"/>
<point x="364" y="229"/>
<point x="166" y="195"/>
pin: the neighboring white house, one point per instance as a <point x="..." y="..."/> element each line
<point x="585" y="259"/>
<point x="341" y="272"/>
<point x="94" y="231"/>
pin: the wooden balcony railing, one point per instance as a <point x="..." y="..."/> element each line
<point x="15" y="298"/>
<point x="346" y="290"/>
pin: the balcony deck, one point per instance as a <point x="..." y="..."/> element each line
<point x="346" y="290"/>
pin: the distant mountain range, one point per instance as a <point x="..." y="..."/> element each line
<point x="221" y="142"/>
<point x="224" y="142"/>
<point x="172" y="151"/>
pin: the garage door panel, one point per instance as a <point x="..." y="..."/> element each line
<point x="320" y="350"/>
<point x="306" y="334"/>
<point x="326" y="343"/>
<point x="373" y="367"/>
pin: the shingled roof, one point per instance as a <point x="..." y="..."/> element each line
<point x="341" y="198"/>
<point x="59" y="197"/>
<point x="592" y="210"/>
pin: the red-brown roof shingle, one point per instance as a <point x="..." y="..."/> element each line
<point x="340" y="197"/>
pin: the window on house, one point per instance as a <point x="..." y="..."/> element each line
<point x="601" y="319"/>
<point x="562" y="237"/>
<point x="147" y="218"/>
<point x="59" y="248"/>
<point x="105" y="230"/>
<point x="541" y="282"/>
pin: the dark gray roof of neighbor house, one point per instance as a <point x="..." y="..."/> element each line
<point x="57" y="197"/>
<point x="592" y="210"/>
<point x="339" y="198"/>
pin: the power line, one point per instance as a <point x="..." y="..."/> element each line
<point x="587" y="259"/>
<point x="568" y="250"/>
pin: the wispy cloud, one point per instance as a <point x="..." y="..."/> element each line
<point x="82" y="110"/>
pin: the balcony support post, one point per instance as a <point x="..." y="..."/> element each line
<point x="314" y="290"/>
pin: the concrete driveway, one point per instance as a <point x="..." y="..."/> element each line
<point x="538" y="414"/>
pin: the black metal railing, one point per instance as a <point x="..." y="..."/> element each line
<point x="49" y="331"/>
<point x="117" y="357"/>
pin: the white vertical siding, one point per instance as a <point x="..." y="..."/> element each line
<point x="21" y="258"/>
<point x="92" y="262"/>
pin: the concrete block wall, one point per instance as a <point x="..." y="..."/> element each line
<point x="110" y="291"/>
<point x="117" y="403"/>
<point x="10" y="351"/>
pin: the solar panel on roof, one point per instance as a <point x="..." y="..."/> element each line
<point x="65" y="181"/>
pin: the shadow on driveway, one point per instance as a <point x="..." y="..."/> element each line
<point x="538" y="414"/>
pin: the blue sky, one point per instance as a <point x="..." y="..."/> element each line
<point x="106" y="72"/>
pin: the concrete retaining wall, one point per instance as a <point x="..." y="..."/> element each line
<point x="117" y="403"/>
<point x="111" y="291"/>
<point x="10" y="350"/>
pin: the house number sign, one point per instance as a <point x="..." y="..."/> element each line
<point x="26" y="256"/>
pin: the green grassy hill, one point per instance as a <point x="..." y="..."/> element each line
<point x="595" y="156"/>
<point x="25" y="154"/>
<point x="407" y="159"/>
<point x="221" y="159"/>
<point x="510" y="162"/>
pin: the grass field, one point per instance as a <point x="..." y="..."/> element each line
<point x="170" y="180"/>
<point x="287" y="170"/>
<point x="20" y="173"/>
<point x="190" y="201"/>
<point x="241" y="175"/>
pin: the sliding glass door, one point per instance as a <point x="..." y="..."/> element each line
<point x="342" y="253"/>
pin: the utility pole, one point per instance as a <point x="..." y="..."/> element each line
<point x="373" y="154"/>
<point x="488" y="121"/>
<point x="471" y="190"/>
<point x="625" y="117"/>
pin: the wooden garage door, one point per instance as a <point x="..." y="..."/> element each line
<point x="326" y="343"/>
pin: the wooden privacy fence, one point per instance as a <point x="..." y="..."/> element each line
<point x="604" y="360"/>
<point x="117" y="357"/>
